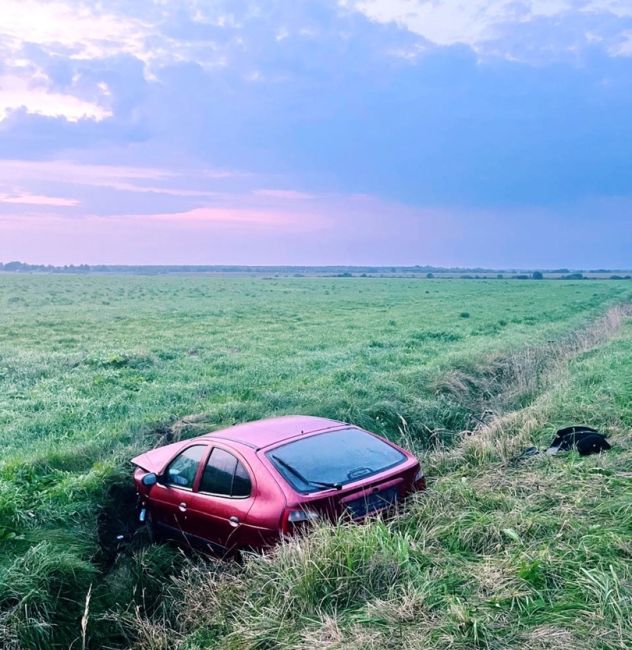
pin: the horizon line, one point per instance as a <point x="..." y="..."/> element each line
<point x="372" y="268"/>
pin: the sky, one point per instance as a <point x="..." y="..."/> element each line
<point x="491" y="133"/>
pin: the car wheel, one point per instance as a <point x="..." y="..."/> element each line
<point x="152" y="530"/>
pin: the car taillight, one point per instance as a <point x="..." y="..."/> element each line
<point x="293" y="519"/>
<point x="420" y="480"/>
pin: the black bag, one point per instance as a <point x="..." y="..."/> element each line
<point x="585" y="439"/>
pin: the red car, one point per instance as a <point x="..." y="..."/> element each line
<point x="247" y="486"/>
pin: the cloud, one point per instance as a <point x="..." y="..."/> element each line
<point x="154" y="32"/>
<point x="161" y="195"/>
<point x="619" y="8"/>
<point x="34" y="199"/>
<point x="500" y="27"/>
<point x="341" y="231"/>
<point x="233" y="41"/>
<point x="283" y="194"/>
<point x="114" y="177"/>
<point x="36" y="97"/>
<point x="96" y="174"/>
<point x="246" y="219"/>
<point x="38" y="39"/>
<point x="74" y="29"/>
<point x="38" y="34"/>
<point x="444" y="23"/>
<point x="624" y="46"/>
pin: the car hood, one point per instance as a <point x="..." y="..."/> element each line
<point x="155" y="460"/>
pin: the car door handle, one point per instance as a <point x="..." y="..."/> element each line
<point x="233" y="521"/>
<point x="182" y="507"/>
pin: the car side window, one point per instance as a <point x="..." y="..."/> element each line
<point x="241" y="482"/>
<point x="182" y="469"/>
<point x="225" y="475"/>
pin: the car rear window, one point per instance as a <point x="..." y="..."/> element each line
<point x="337" y="457"/>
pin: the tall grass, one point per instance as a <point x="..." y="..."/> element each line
<point x="93" y="370"/>
<point x="496" y="554"/>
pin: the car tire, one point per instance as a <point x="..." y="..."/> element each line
<point x="153" y="533"/>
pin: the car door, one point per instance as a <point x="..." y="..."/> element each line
<point x="172" y="496"/>
<point x="222" y="500"/>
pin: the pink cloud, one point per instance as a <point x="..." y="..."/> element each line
<point x="117" y="177"/>
<point x="226" y="216"/>
<point x="209" y="218"/>
<point x="16" y="94"/>
<point x="325" y="230"/>
<point x="36" y="199"/>
<point x="199" y="236"/>
<point x="283" y="194"/>
<point x="241" y="230"/>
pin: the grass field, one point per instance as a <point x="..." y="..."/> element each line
<point x="466" y="372"/>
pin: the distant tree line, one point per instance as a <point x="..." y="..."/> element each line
<point x="300" y="271"/>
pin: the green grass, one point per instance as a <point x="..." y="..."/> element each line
<point x="95" y="369"/>
<point x="496" y="555"/>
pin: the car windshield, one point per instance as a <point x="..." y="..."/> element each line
<point x="330" y="460"/>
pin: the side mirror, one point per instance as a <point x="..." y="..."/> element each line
<point x="149" y="479"/>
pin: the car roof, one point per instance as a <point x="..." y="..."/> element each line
<point x="263" y="433"/>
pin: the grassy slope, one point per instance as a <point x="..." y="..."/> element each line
<point x="495" y="555"/>
<point x="91" y="369"/>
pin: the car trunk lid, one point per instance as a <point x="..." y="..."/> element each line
<point x="362" y="498"/>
